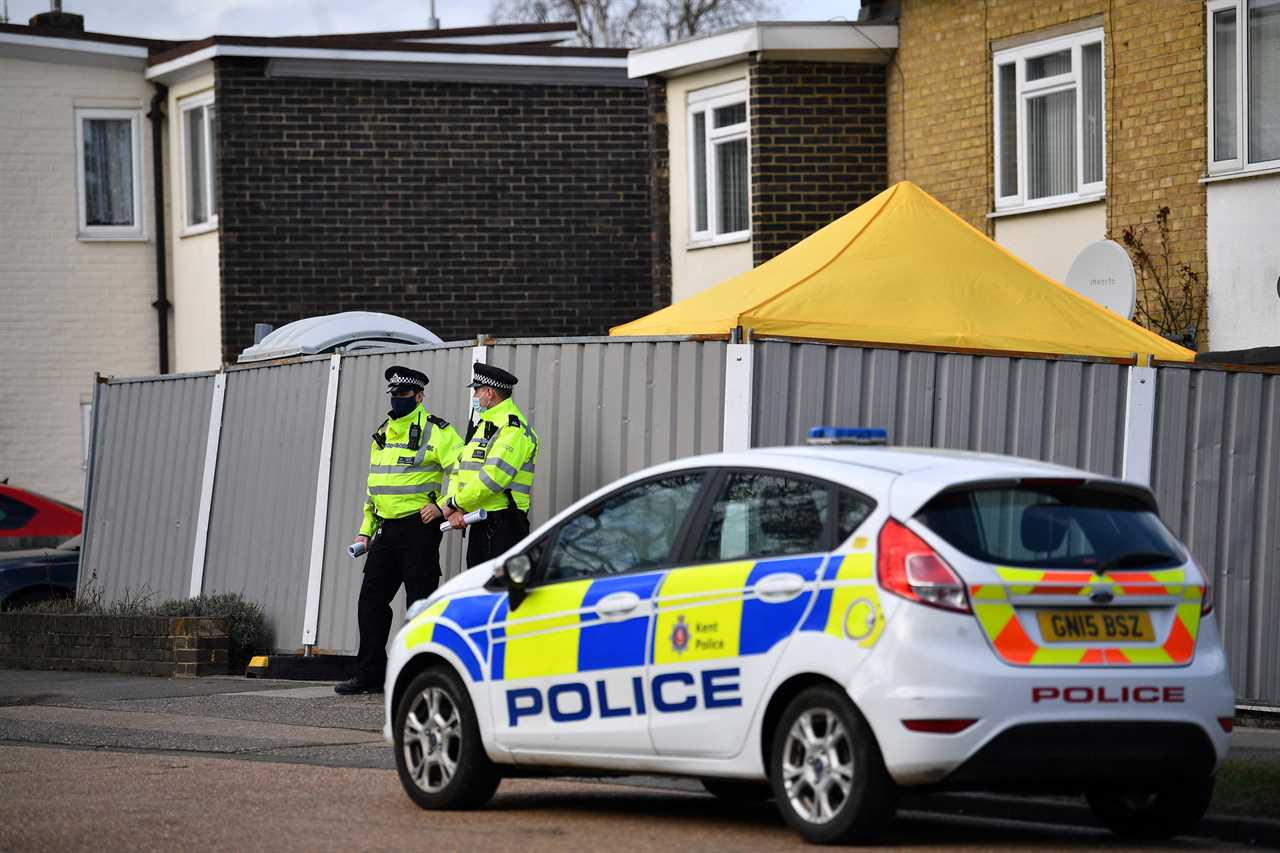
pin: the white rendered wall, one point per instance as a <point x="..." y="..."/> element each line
<point x="197" y="295"/>
<point x="694" y="270"/>
<point x="68" y="307"/>
<point x="1244" y="263"/>
<point x="1051" y="239"/>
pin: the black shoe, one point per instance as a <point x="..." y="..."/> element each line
<point x="354" y="685"/>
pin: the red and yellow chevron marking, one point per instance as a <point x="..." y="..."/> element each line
<point x="992" y="604"/>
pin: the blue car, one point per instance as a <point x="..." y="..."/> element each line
<point x="40" y="574"/>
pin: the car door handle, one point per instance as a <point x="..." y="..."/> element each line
<point x="617" y="604"/>
<point x="778" y="588"/>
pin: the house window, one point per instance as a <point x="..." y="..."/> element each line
<point x="1244" y="84"/>
<point x="199" y="126"/>
<point x="109" y="174"/>
<point x="1049" y="122"/>
<point x="719" y="209"/>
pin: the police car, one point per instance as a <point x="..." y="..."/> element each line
<point x="826" y="626"/>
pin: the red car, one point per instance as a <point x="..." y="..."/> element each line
<point x="30" y="520"/>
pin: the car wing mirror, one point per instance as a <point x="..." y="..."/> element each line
<point x="516" y="570"/>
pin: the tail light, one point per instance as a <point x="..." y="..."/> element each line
<point x="910" y="568"/>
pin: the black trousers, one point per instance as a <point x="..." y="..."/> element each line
<point x="405" y="551"/>
<point x="493" y="536"/>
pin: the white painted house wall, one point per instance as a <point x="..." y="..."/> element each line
<point x="193" y="255"/>
<point x="1244" y="262"/>
<point x="693" y="270"/>
<point x="68" y="307"/>
<point x="1050" y="240"/>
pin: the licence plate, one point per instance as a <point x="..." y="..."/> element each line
<point x="1083" y="626"/>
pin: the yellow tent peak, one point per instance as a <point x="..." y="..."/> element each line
<point x="902" y="268"/>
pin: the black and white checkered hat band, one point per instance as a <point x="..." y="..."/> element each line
<point x="397" y="379"/>
<point x="492" y="383"/>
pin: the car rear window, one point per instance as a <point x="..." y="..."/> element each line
<point x="1052" y="525"/>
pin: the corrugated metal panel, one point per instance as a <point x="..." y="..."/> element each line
<point x="603" y="410"/>
<point x="264" y="490"/>
<point x="148" y="456"/>
<point x="362" y="404"/>
<point x="1216" y="472"/>
<point x="1064" y="411"/>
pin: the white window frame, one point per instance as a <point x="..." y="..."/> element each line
<point x="1240" y="163"/>
<point x="85" y="231"/>
<point x="1074" y="80"/>
<point x="707" y="101"/>
<point x="210" y="223"/>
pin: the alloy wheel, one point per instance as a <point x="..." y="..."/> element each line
<point x="432" y="739"/>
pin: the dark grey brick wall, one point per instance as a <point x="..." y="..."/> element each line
<point x="818" y="147"/>
<point x="466" y="207"/>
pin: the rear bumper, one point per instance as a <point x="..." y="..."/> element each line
<point x="1076" y="755"/>
<point x="1059" y="727"/>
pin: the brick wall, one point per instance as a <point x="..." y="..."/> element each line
<point x="818" y="138"/>
<point x="497" y="208"/>
<point x="940" y="112"/>
<point x="660" y="192"/>
<point x="182" y="647"/>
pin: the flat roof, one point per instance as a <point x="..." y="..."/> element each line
<point x="820" y="41"/>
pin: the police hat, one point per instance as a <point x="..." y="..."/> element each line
<point x="494" y="377"/>
<point x="400" y="378"/>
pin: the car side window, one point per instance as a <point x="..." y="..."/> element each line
<point x="851" y="510"/>
<point x="14" y="514"/>
<point x="766" y="515"/>
<point x="632" y="530"/>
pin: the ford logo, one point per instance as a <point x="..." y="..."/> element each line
<point x="1102" y="596"/>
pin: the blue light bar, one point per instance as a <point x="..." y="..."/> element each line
<point x="848" y="435"/>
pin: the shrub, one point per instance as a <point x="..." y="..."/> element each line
<point x="246" y="622"/>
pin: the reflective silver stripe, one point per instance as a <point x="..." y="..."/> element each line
<point x="504" y="466"/>
<point x="489" y="483"/>
<point x="470" y="466"/>
<point x="427" y="468"/>
<point x="416" y="489"/>
<point x="521" y="488"/>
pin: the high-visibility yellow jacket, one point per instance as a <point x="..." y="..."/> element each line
<point x="403" y="479"/>
<point x="498" y="461"/>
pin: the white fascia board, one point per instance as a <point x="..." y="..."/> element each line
<point x="32" y="46"/>
<point x="158" y="72"/>
<point x="847" y="42"/>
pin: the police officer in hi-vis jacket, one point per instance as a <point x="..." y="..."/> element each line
<point x="408" y="456"/>
<point x="495" y="470"/>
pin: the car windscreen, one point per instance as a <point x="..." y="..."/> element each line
<point x="1048" y="524"/>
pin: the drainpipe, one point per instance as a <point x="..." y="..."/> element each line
<point x="162" y="303"/>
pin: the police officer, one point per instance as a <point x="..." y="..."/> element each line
<point x="409" y="454"/>
<point x="495" y="470"/>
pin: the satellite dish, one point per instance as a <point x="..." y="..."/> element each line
<point x="1103" y="272"/>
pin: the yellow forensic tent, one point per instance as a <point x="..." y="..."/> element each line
<point x="903" y="269"/>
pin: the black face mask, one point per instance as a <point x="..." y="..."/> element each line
<point x="401" y="406"/>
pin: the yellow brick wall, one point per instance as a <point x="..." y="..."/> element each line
<point x="940" y="112"/>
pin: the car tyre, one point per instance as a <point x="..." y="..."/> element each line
<point x="439" y="754"/>
<point x="826" y="770"/>
<point x="1153" y="813"/>
<point x="738" y="791"/>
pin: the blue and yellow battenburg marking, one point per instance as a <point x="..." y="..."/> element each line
<point x="703" y="613"/>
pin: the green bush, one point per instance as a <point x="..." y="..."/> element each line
<point x="246" y="622"/>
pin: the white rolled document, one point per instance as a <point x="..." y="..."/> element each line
<point x="469" y="518"/>
<point x="355" y="549"/>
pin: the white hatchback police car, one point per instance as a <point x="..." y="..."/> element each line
<point x="826" y="626"/>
